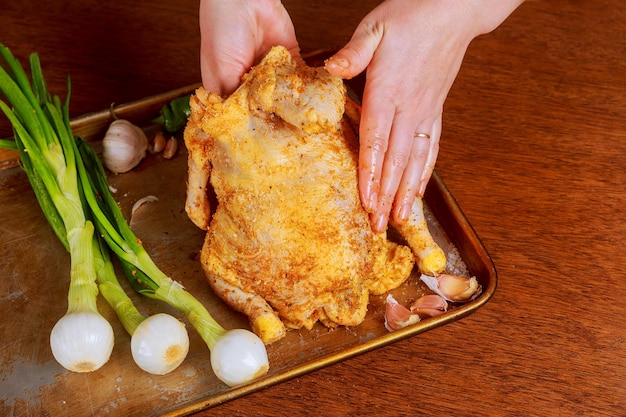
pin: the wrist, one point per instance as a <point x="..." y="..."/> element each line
<point x="489" y="14"/>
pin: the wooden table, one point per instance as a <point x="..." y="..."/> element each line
<point x="533" y="148"/>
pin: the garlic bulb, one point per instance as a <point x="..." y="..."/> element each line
<point x="124" y="146"/>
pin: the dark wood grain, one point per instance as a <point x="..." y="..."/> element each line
<point x="534" y="150"/>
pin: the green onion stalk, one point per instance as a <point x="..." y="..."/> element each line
<point x="82" y="340"/>
<point x="159" y="343"/>
<point x="237" y="356"/>
<point x="72" y="189"/>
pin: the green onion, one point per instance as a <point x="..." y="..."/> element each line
<point x="72" y="189"/>
<point x="232" y="366"/>
<point x="82" y="340"/>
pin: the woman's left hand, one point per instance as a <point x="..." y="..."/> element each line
<point x="412" y="51"/>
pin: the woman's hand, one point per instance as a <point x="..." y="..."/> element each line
<point x="412" y="51"/>
<point x="235" y="35"/>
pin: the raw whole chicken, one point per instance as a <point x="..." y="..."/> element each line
<point x="289" y="243"/>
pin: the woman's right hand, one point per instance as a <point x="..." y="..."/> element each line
<point x="235" y="35"/>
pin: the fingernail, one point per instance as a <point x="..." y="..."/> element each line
<point x="404" y="212"/>
<point x="380" y="223"/>
<point x="369" y="202"/>
<point x="422" y="188"/>
<point x="373" y="203"/>
<point x="338" y="63"/>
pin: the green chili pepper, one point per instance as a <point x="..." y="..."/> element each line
<point x="174" y="114"/>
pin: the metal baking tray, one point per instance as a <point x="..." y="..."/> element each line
<point x="33" y="295"/>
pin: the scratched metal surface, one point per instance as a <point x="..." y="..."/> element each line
<point x="33" y="289"/>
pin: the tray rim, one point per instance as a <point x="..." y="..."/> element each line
<point x="91" y="126"/>
<point x="465" y="310"/>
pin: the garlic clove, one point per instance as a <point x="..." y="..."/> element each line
<point x="453" y="287"/>
<point x="158" y="142"/>
<point x="124" y="146"/>
<point x="171" y="146"/>
<point x="397" y="316"/>
<point x="430" y="305"/>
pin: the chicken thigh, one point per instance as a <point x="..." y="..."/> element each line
<point x="288" y="243"/>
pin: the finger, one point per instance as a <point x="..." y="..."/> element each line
<point x="410" y="181"/>
<point x="431" y="159"/>
<point x="223" y="63"/>
<point x="276" y="28"/>
<point x="395" y="162"/>
<point x="374" y="129"/>
<point x="221" y="76"/>
<point x="352" y="59"/>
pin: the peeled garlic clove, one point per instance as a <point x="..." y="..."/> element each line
<point x="397" y="316"/>
<point x="453" y="287"/>
<point x="124" y="146"/>
<point x="429" y="305"/>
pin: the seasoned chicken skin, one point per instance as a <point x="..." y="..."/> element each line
<point x="289" y="243"/>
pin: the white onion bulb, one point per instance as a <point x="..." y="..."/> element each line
<point x="160" y="344"/>
<point x="82" y="341"/>
<point x="239" y="357"/>
<point x="124" y="146"/>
